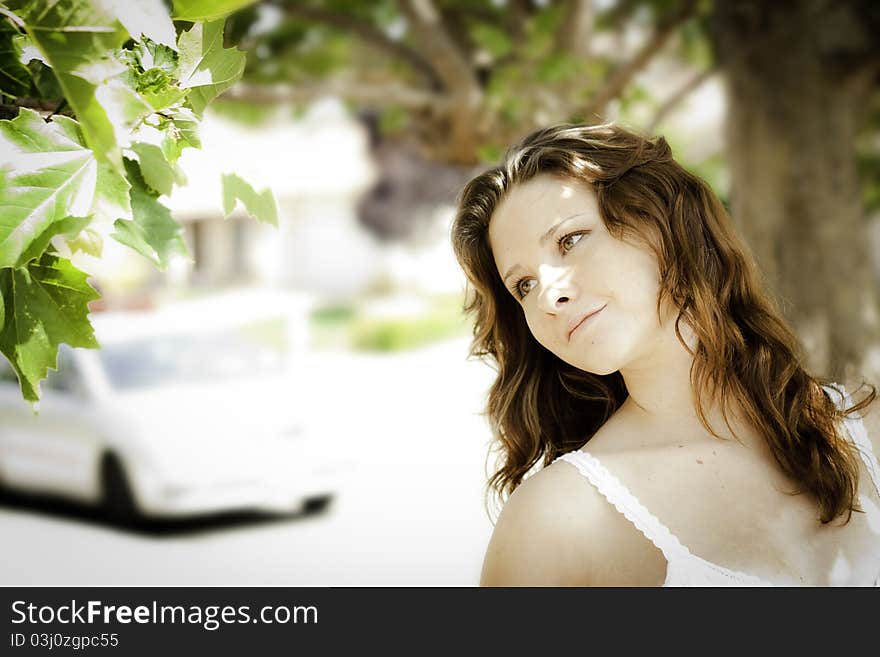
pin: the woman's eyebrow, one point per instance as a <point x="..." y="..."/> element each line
<point x="543" y="240"/>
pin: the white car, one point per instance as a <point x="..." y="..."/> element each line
<point x="193" y="409"/>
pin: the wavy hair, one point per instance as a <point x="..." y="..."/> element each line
<point x="541" y="407"/>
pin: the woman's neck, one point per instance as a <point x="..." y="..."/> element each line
<point x="661" y="394"/>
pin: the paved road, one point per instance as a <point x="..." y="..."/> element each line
<point x="410" y="512"/>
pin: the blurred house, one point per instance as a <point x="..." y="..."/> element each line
<point x="317" y="167"/>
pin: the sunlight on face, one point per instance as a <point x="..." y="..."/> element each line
<point x="558" y="260"/>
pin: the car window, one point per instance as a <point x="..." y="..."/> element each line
<point x="248" y="350"/>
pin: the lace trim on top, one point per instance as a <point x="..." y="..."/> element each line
<point x="648" y="524"/>
<point x="656" y="532"/>
<point x="627" y="504"/>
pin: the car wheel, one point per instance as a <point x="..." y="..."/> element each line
<point x="119" y="503"/>
<point x="317" y="504"/>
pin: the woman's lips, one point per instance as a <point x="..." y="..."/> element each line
<point x="585" y="321"/>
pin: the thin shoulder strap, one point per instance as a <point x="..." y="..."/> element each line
<point x="857" y="431"/>
<point x="626" y="503"/>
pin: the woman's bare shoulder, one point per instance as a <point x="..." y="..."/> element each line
<point x="556" y="529"/>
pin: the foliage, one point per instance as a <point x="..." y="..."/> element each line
<point x="868" y="156"/>
<point x="523" y="64"/>
<point x="407" y="332"/>
<point x="206" y="67"/>
<point x="869" y="169"/>
<point x="129" y="86"/>
<point x="260" y="205"/>
<point x="248" y="114"/>
<point x="152" y="231"/>
<point x="356" y="327"/>
<point x="14" y="76"/>
<point x="44" y="305"/>
<point x="195" y="10"/>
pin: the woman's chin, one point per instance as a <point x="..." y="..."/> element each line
<point x="593" y="368"/>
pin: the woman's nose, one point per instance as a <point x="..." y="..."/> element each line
<point x="556" y="291"/>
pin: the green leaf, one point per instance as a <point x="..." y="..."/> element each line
<point x="152" y="232"/>
<point x="558" y="67"/>
<point x="72" y="34"/>
<point x="260" y="205"/>
<point x="187" y="125"/>
<point x="492" y="38"/>
<point x="88" y="241"/>
<point x="206" y="10"/>
<point x="143" y="17"/>
<point x="15" y="78"/>
<point x="161" y="100"/>
<point x="45" y="304"/>
<point x="155" y="169"/>
<point x="152" y="70"/>
<point x="111" y="200"/>
<point x="171" y="149"/>
<point x="50" y="176"/>
<point x="206" y="68"/>
<point x="125" y="108"/>
<point x="69" y="226"/>
<point x="151" y="56"/>
<point x="172" y="144"/>
<point x="45" y="82"/>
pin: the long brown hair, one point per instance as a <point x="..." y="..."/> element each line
<point x="540" y="406"/>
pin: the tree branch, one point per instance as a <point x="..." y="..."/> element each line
<point x="461" y="84"/>
<point x="371" y="93"/>
<point x="624" y="74"/>
<point x="443" y="56"/>
<point x="45" y="107"/>
<point x="683" y="92"/>
<point x="455" y="25"/>
<point x="367" y="32"/>
<point x="620" y="12"/>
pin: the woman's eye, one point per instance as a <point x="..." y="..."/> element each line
<point x="568" y="241"/>
<point x="525" y="286"/>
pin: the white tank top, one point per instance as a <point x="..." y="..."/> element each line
<point x="684" y="568"/>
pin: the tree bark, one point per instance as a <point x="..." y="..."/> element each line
<point x="576" y="30"/>
<point x="791" y="129"/>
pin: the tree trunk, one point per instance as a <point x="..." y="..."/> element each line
<point x="791" y="129"/>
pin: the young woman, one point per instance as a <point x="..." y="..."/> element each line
<point x="641" y="361"/>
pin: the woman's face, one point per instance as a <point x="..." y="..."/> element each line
<point x="556" y="257"/>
